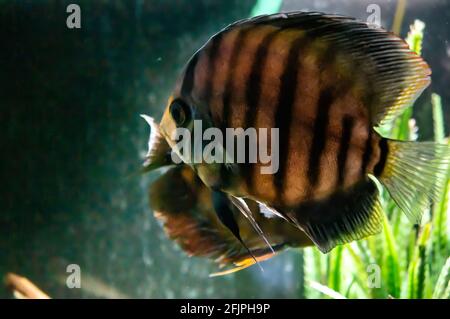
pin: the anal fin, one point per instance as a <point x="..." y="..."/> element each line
<point x="341" y="218"/>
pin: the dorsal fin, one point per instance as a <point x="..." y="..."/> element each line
<point x="394" y="75"/>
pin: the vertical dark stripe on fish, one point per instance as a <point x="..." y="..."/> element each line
<point x="253" y="89"/>
<point x="319" y="137"/>
<point x="253" y="94"/>
<point x="284" y="108"/>
<point x="328" y="94"/>
<point x="346" y="135"/>
<point x="228" y="92"/>
<point x="367" y="153"/>
<point x="188" y="79"/>
<point x="384" y="150"/>
<point x="211" y="69"/>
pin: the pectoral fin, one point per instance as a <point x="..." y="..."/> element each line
<point x="223" y="210"/>
<point x="243" y="208"/>
<point x="269" y="212"/>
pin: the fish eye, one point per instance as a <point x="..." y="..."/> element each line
<point x="180" y="112"/>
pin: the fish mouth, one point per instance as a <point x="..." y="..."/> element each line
<point x="166" y="126"/>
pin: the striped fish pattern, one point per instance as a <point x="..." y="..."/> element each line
<point x="325" y="82"/>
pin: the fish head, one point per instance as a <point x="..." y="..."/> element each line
<point x="168" y="125"/>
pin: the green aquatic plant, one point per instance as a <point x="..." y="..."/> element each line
<point x="405" y="260"/>
<point x="266" y="7"/>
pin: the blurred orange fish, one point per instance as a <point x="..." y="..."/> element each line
<point x="185" y="207"/>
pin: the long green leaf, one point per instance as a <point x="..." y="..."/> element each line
<point x="438" y="118"/>
<point x="390" y="268"/>
<point x="440" y="211"/>
<point x="443" y="282"/>
<point x="360" y="278"/>
<point x="417" y="273"/>
<point x="327" y="291"/>
<point x="334" y="281"/>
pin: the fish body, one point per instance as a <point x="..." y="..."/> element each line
<point x="267" y="74"/>
<point x="325" y="82"/>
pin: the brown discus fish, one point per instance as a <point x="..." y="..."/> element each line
<point x="185" y="207"/>
<point x="324" y="82"/>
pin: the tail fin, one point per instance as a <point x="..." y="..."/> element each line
<point x="414" y="173"/>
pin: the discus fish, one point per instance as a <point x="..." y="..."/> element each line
<point x="185" y="207"/>
<point x="326" y="82"/>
